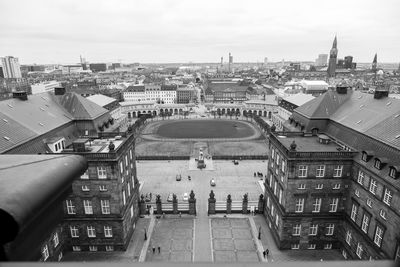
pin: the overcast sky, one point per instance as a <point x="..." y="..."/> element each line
<point x="58" y="31"/>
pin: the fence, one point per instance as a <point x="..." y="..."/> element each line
<point x="235" y="206"/>
<point x="167" y="207"/>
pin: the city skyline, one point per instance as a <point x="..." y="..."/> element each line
<point x="180" y="31"/>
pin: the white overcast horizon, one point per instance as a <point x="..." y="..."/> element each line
<point x="163" y="31"/>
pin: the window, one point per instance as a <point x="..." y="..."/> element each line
<point x="397" y="257"/>
<point x="319" y="186"/>
<point x="372" y="186"/>
<point x="109" y="248"/>
<point x="333" y="205"/>
<point x="328" y="246"/>
<point x="130" y="154"/>
<point x="378" y="236"/>
<point x="272" y="210"/>
<point x="85" y="188"/>
<point x="348" y="237"/>
<point x="283" y="168"/>
<point x="55" y="240"/>
<point x="295" y="246"/>
<point x="377" y="164"/>
<point x="321" y="171"/>
<point x="313" y="229"/>
<point x="132" y="211"/>
<point x="359" y="250"/>
<point x="275" y="185"/>
<point x="337" y="172"/>
<point x="392" y="172"/>
<point x="91" y="231"/>
<point x="105" y="206"/>
<point x="272" y="155"/>
<point x="365" y="223"/>
<point x="102" y="188"/>
<point x="101" y="172"/>
<point x="354" y="210"/>
<point x="70" y="206"/>
<point x="357" y="193"/>
<point x="268" y="203"/>
<point x="87" y="204"/>
<point x="336" y="186"/>
<point x="74" y="231"/>
<point x="311" y="246"/>
<point x="302" y="186"/>
<point x="76" y="248"/>
<point x="270" y="181"/>
<point x="277" y="161"/>
<point x="129" y="189"/>
<point x="382" y="213"/>
<point x="297" y="229"/>
<point x="344" y="253"/>
<point x="317" y="205"/>
<point x="85" y="175"/>
<point x="369" y="202"/>
<point x="92" y="248"/>
<point x="123" y="197"/>
<point x="108" y="231"/>
<point x="277" y="220"/>
<point x="360" y="178"/>
<point x="302" y="171"/>
<point x="45" y="253"/>
<point x="299" y="205"/>
<point x="330" y="228"/>
<point x="60" y="256"/>
<point x="387" y="197"/>
<point x="364" y="156"/>
<point x="121" y="167"/>
<point x="126" y="160"/>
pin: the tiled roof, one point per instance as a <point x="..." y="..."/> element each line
<point x="12" y="133"/>
<point x="323" y="106"/>
<point x="137" y="88"/>
<point x="299" y="99"/>
<point x="79" y="107"/>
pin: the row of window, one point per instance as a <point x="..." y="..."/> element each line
<point x="360" y="249"/>
<point x="333" y="204"/>
<point x="91" y="231"/>
<point x="45" y="248"/>
<point x="373" y="187"/>
<point x="313" y="229"/>
<point x="320" y="171"/>
<point x="93" y="248"/>
<point x="88" y="206"/>
<point x="365" y="222"/>
<point x="320" y="186"/>
<point x="275" y="217"/>
<point x="369" y="202"/>
<point x="378" y="164"/>
<point x="311" y="246"/>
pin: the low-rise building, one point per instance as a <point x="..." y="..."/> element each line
<point x="44" y="87"/>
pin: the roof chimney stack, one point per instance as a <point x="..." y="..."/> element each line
<point x="59" y="90"/>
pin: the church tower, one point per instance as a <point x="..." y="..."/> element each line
<point x="332" y="59"/>
<point x="375" y="63"/>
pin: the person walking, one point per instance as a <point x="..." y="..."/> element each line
<point x="154" y="249"/>
<point x="264" y="253"/>
<point x="159" y="249"/>
<point x="267" y="252"/>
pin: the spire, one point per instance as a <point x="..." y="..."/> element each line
<point x="334" y="42"/>
<point x="375" y="58"/>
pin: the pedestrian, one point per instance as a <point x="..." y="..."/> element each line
<point x="154" y="249"/>
<point x="264" y="253"/>
<point x="267" y="252"/>
<point x="159" y="249"/>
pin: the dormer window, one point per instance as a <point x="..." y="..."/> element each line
<point x="393" y="173"/>
<point x="364" y="157"/>
<point x="377" y="164"/>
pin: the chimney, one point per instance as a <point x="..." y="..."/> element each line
<point x="382" y="90"/>
<point x="59" y="90"/>
<point x="22" y="95"/>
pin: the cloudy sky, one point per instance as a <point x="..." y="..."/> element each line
<point x="58" y="31"/>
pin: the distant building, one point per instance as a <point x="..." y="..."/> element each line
<point x="45" y="87"/>
<point x="11" y="67"/>
<point x="348" y="62"/>
<point x="97" y="67"/>
<point x="109" y="103"/>
<point x="186" y="95"/>
<point x="135" y="93"/>
<point x="68" y="69"/>
<point x="314" y="88"/>
<point x="332" y="59"/>
<point x="321" y="60"/>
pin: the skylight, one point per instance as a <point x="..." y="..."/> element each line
<point x="358" y="122"/>
<point x="362" y="106"/>
<point x="42" y="109"/>
<point x="6" y="121"/>
<point x="10" y="105"/>
<point x="397" y="136"/>
<point x="388" y="103"/>
<point x="7" y="138"/>
<point x="397" y="116"/>
<point x="41" y="124"/>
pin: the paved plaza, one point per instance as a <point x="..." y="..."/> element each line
<point x="232" y="240"/>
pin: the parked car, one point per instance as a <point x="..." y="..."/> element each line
<point x="212" y="182"/>
<point x="185" y="197"/>
<point x="170" y="197"/>
<point x="178" y="177"/>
